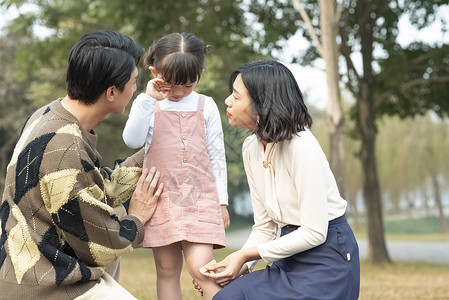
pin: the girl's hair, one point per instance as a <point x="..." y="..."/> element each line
<point x="178" y="57"/>
<point x="275" y="98"/>
<point x="99" y="60"/>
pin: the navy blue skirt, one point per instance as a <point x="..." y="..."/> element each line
<point x="329" y="271"/>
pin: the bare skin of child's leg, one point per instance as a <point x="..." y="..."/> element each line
<point x="168" y="260"/>
<point x="196" y="256"/>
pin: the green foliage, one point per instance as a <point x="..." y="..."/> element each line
<point x="408" y="150"/>
<point x="278" y="20"/>
<point x="233" y="139"/>
<point x="414" y="80"/>
<point x="38" y="63"/>
<point x="14" y="106"/>
<point x="409" y="80"/>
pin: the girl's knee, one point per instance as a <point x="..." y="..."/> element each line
<point x="196" y="274"/>
<point x="168" y="269"/>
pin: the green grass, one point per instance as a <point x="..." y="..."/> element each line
<point x="422" y="229"/>
<point x="414" y="226"/>
<point x="428" y="237"/>
<point x="396" y="281"/>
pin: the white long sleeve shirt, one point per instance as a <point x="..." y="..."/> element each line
<point x="296" y="187"/>
<point x="139" y="131"/>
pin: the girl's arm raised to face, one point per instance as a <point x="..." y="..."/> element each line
<point x="158" y="89"/>
<point x="139" y="121"/>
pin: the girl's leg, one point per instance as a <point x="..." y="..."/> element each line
<point x="196" y="256"/>
<point x="168" y="260"/>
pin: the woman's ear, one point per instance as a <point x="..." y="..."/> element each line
<point x="153" y="71"/>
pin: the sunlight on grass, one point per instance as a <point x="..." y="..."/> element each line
<point x="404" y="281"/>
<point x="396" y="281"/>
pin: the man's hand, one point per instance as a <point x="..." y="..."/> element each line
<point x="144" y="199"/>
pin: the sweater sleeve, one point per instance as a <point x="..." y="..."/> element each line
<point x="216" y="150"/>
<point x="120" y="183"/>
<point x="139" y="121"/>
<point x="74" y="192"/>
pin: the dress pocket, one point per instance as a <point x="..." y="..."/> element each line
<point x="208" y="211"/>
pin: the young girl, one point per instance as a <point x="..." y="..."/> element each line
<point x="184" y="140"/>
<point x="292" y="189"/>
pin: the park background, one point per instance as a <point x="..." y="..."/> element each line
<point x="375" y="76"/>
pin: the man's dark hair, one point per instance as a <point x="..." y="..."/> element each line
<point x="99" y="60"/>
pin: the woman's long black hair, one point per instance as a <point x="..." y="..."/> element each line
<point x="275" y="98"/>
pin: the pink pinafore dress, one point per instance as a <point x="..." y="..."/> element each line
<point x="188" y="209"/>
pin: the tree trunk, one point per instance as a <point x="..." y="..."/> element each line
<point x="437" y="193"/>
<point x="334" y="111"/>
<point x="426" y="202"/>
<point x="354" y="212"/>
<point x="377" y="250"/>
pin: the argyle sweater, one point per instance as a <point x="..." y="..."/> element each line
<point x="59" y="228"/>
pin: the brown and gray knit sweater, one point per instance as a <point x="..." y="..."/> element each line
<point x="58" y="226"/>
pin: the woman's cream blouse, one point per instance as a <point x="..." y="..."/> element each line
<point x="290" y="183"/>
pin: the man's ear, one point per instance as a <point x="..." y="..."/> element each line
<point x="153" y="71"/>
<point x="111" y="92"/>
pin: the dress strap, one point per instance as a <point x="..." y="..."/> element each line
<point x="201" y="100"/>
<point x="157" y="107"/>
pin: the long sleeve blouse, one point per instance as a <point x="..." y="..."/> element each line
<point x="290" y="183"/>
<point x="139" y="131"/>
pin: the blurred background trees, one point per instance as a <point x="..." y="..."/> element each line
<point x="395" y="96"/>
<point x="380" y="74"/>
<point x="36" y="44"/>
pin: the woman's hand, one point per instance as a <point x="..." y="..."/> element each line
<point x="158" y="89"/>
<point x="144" y="199"/>
<point x="230" y="268"/>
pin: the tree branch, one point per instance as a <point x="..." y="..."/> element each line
<point x="346" y="52"/>
<point x="407" y="85"/>
<point x="421" y="58"/>
<point x="351" y="87"/>
<point x="309" y="24"/>
<point x="338" y="11"/>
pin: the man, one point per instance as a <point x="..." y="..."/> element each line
<point x="62" y="219"/>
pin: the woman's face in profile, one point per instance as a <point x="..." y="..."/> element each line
<point x="239" y="106"/>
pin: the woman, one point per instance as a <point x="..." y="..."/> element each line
<point x="292" y="188"/>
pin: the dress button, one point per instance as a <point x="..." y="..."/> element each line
<point x="184" y="137"/>
<point x="183" y="115"/>
<point x="185" y="160"/>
